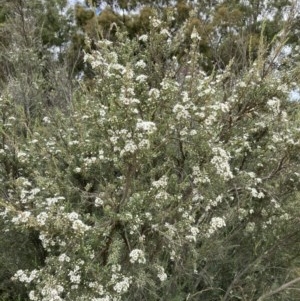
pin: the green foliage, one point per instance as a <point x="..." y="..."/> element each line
<point x="159" y="174"/>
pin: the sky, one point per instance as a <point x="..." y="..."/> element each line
<point x="74" y="1"/>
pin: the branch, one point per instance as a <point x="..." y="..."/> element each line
<point x="277" y="169"/>
<point x="279" y="289"/>
<point x="261" y="257"/>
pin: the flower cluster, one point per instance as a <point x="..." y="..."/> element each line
<point x="215" y="224"/>
<point x="137" y="255"/>
<point x="221" y="163"/>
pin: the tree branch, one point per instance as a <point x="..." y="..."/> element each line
<point x="279" y="289"/>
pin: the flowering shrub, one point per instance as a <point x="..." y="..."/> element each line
<point x="162" y="183"/>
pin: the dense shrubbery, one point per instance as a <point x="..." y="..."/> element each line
<point x="151" y="180"/>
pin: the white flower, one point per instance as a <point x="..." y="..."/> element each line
<point x="98" y="202"/>
<point x="73" y="216"/>
<point x="22" y="217"/>
<point x="52" y="201"/>
<point x="154" y="93"/>
<point x="242" y="84"/>
<point x="77" y="170"/>
<point x="119" y="67"/>
<point x="143" y="38"/>
<point x="34" y="191"/>
<point x="22" y="276"/>
<point x="122" y="286"/>
<point x="161" y="183"/>
<point x="275" y="203"/>
<point x="274" y="105"/>
<point x="46" y="120"/>
<point x="194" y="233"/>
<point x="128" y="100"/>
<point x="79" y="226"/>
<point x="59" y="288"/>
<point x="41" y="218"/>
<point x="141" y="78"/>
<point x="155" y="22"/>
<point x="21" y="154"/>
<point x="161" y="274"/>
<point x="195" y="35"/>
<point x="148" y="215"/>
<point x="74" y="276"/>
<point x="260" y="195"/>
<point x="215" y="224"/>
<point x="250" y="227"/>
<point x="165" y="32"/>
<point x="257" y="194"/>
<point x="193" y="132"/>
<point x="51" y="292"/>
<point x="63" y="258"/>
<point x="129" y="147"/>
<point x="144" y="144"/>
<point x="32" y="296"/>
<point x="116" y="268"/>
<point x="146" y="126"/>
<point x="221" y="163"/>
<point x="89" y="161"/>
<point x="74" y="142"/>
<point x="140" y="64"/>
<point x="137" y="255"/>
<point x="181" y="112"/>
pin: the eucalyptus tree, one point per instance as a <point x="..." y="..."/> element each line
<point x="228" y="29"/>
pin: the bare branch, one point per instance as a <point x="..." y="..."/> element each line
<point x="279" y="289"/>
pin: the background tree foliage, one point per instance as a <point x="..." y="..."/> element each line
<point x="150" y="155"/>
<point x="228" y="29"/>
